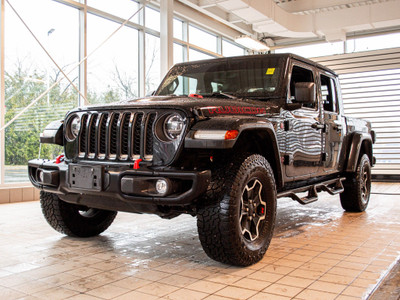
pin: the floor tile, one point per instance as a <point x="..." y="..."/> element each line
<point x="184" y="294"/>
<point x="108" y="291"/>
<point x="282" y="290"/>
<point x="315" y="295"/>
<point x="236" y="292"/>
<point x="206" y="286"/>
<point x="157" y="289"/>
<point x="252" y="284"/>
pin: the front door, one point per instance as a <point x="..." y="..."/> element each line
<point x="303" y="130"/>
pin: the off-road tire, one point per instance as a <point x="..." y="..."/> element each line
<point x="74" y="220"/>
<point x="220" y="217"/>
<point x="357" y="187"/>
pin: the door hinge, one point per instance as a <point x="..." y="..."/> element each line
<point x="286" y="160"/>
<point x="324" y="156"/>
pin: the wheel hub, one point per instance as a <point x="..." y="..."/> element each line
<point x="253" y="210"/>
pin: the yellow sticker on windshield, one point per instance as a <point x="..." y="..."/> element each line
<point x="270" y="71"/>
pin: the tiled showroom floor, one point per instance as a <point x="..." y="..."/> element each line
<point x="318" y="252"/>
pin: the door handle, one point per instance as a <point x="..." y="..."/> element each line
<point x="318" y="126"/>
<point x="338" y="127"/>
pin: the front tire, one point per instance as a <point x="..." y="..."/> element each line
<point x="74" y="220"/>
<point x="237" y="219"/>
<point x="357" y="187"/>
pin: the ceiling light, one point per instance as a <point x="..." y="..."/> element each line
<point x="251" y="43"/>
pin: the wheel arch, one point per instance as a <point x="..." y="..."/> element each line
<point x="361" y="143"/>
<point x="262" y="141"/>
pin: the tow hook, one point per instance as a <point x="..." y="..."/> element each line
<point x="136" y="164"/>
<point x="60" y="158"/>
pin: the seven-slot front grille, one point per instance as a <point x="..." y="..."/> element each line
<point x="117" y="135"/>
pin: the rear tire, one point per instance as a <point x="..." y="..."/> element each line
<point x="357" y="187"/>
<point x="237" y="217"/>
<point x="74" y="220"/>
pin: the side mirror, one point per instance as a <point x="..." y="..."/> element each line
<point x="305" y="92"/>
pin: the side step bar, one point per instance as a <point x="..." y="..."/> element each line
<point x="333" y="187"/>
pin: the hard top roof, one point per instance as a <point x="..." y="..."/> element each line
<point x="258" y="56"/>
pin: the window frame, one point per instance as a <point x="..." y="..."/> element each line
<point x="333" y="88"/>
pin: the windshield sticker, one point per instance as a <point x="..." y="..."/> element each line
<point x="270" y="71"/>
<point x="236" y="110"/>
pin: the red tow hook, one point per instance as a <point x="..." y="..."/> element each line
<point x="136" y="164"/>
<point x="59" y="158"/>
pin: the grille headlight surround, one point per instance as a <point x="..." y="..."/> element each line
<point x="173" y="126"/>
<point x="73" y="127"/>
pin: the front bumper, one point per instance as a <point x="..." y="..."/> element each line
<point x="117" y="183"/>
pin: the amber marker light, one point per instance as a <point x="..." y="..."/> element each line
<point x="231" y="134"/>
<point x="216" y="134"/>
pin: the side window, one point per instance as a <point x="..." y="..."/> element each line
<point x="328" y="93"/>
<point x="300" y="74"/>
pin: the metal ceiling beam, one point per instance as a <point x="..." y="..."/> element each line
<point x="240" y="28"/>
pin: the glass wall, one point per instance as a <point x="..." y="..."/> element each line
<point x="152" y="64"/>
<point x="202" y="38"/>
<point x="120" y="8"/>
<point x="351" y="45"/>
<point x="314" y="50"/>
<point x="230" y="49"/>
<point x="115" y="71"/>
<point x="29" y="72"/>
<point x="112" y="71"/>
<point x="179" y="53"/>
<point x="198" y="55"/>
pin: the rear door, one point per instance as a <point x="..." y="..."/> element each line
<point x="334" y="123"/>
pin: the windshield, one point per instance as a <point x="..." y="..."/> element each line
<point x="248" y="77"/>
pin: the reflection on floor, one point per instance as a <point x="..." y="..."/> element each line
<point x="318" y="252"/>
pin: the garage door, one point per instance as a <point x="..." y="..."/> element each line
<point x="371" y="90"/>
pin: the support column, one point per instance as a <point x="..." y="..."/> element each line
<point x="2" y="93"/>
<point x="142" y="56"/>
<point x="82" y="54"/>
<point x="166" y="36"/>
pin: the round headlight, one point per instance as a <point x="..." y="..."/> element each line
<point x="74" y="126"/>
<point x="173" y="126"/>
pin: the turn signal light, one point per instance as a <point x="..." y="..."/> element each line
<point x="231" y="134"/>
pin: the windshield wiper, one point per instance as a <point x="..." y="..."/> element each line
<point x="224" y="95"/>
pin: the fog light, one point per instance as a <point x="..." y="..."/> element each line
<point x="40" y="176"/>
<point x="161" y="186"/>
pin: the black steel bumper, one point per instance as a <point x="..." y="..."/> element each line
<point x="117" y="183"/>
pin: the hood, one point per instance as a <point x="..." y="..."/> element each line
<point x="207" y="107"/>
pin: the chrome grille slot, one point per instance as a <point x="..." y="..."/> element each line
<point x="83" y="135"/>
<point x="149" y="137"/>
<point x="124" y="140"/>
<point x="136" y="135"/>
<point x="102" y="135"/>
<point x="113" y="142"/>
<point x="92" y="135"/>
<point x="121" y="135"/>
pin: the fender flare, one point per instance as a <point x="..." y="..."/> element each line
<point x="244" y="126"/>
<point x="355" y="148"/>
<point x="53" y="133"/>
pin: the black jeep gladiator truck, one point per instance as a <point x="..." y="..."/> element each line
<point x="220" y="139"/>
